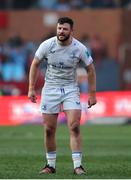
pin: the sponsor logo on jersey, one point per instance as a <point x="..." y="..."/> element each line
<point x="74" y="54"/>
<point x="87" y="53"/>
<point x="52" y="51"/>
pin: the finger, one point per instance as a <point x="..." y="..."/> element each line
<point x="33" y="99"/>
<point x="89" y="106"/>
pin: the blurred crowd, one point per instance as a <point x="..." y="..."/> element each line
<point x="16" y="57"/>
<point x="63" y="5"/>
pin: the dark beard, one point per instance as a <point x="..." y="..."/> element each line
<point x="65" y="38"/>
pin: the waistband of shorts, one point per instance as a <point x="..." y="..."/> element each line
<point x="60" y="85"/>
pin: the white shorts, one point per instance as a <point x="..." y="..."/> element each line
<point x="57" y="99"/>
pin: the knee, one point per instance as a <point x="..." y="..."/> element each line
<point x="50" y="131"/>
<point x="75" y="128"/>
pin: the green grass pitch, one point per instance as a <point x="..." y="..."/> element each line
<point x="106" y="152"/>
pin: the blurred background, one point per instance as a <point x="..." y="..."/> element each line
<point x="103" y="26"/>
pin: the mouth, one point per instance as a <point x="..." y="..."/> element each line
<point x="61" y="35"/>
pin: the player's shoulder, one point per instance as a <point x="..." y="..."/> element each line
<point x="49" y="41"/>
<point x="77" y="43"/>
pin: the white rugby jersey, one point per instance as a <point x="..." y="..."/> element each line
<point x="62" y="61"/>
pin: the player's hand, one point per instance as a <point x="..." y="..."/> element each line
<point x="91" y="101"/>
<point x="32" y="96"/>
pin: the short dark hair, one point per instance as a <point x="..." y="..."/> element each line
<point x="68" y="20"/>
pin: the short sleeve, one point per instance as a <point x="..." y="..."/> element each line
<point x="86" y="56"/>
<point x="41" y="51"/>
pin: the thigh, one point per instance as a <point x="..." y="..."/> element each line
<point x="73" y="117"/>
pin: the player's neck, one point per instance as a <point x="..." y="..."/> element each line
<point x="65" y="43"/>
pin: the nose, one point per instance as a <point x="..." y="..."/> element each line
<point x="61" y="30"/>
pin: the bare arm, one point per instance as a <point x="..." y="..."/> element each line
<point x="92" y="85"/>
<point x="33" y="74"/>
